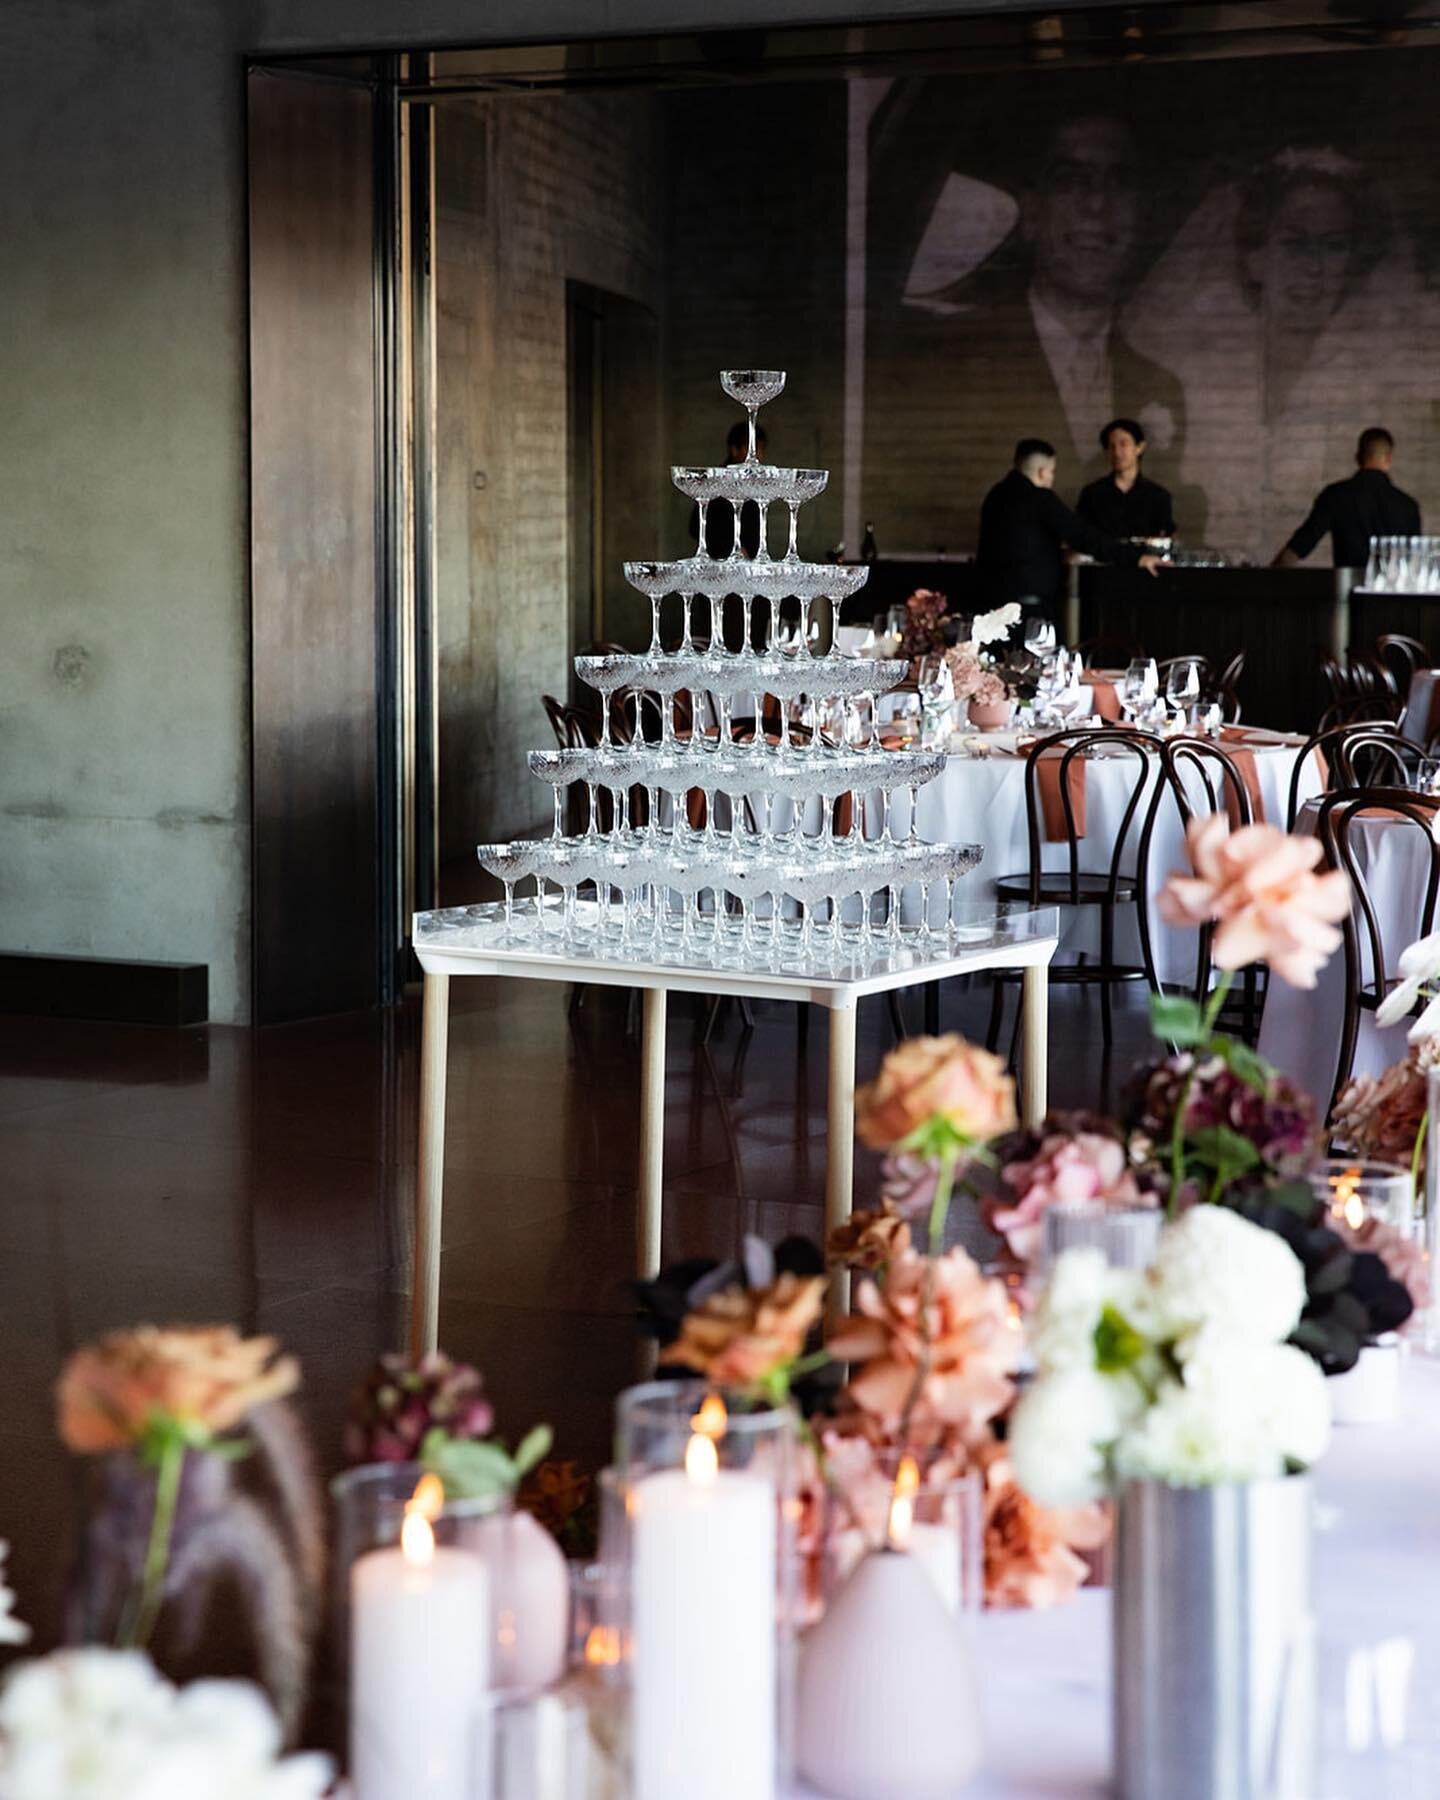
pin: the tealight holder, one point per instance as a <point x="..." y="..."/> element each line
<point x="709" y="1515"/>
<point x="1355" y="1190"/>
<point x="932" y="1514"/>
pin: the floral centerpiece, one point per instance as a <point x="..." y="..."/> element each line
<point x="924" y="631"/>
<point x="991" y="681"/>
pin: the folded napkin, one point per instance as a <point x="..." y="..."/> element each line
<point x="1107" y="701"/>
<point x="1052" y="805"/>
<point x="1244" y="761"/>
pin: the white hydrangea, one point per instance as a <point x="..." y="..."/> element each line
<point x="1215" y="1271"/>
<point x="12" y="1630"/>
<point x="1061" y="1329"/>
<point x="98" y="1724"/>
<point x="1061" y="1432"/>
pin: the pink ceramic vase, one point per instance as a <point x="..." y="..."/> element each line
<point x="993" y="716"/>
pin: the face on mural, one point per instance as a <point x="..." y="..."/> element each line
<point x="1302" y="268"/>
<point x="1083" y="218"/>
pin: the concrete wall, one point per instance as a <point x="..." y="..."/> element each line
<point x="530" y="193"/>
<point x="123" y="693"/>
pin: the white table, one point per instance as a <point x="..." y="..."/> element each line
<point x="982" y="801"/>
<point x="472" y="940"/>
<point x="1045" y="1676"/>
<point x="1300" y="1032"/>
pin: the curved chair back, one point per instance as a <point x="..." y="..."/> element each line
<point x="1369" y="955"/>
<point x="1324" y="742"/>
<point x="1064" y="754"/>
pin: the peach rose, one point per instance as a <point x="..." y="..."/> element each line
<point x="1030" y="1550"/>
<point x="204" y="1376"/>
<point x="1065" y="1168"/>
<point x="1259" y="887"/>
<point x="927" y="1078"/>
<point x="869" y="1240"/>
<point x="971" y="1353"/>
<point x="741" y="1335"/>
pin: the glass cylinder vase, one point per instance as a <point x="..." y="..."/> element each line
<point x="1214" y="1642"/>
<point x="1126" y="1235"/>
<point x="709" y="1504"/>
<point x="1427" y="1328"/>
<point x="1354" y="1190"/>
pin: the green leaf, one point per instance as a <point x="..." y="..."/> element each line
<point x="469" y="1470"/>
<point x="532" y="1449"/>
<point x="1244" y="1064"/>
<point x="1118" y="1345"/>
<point x="1177" y="1019"/>
<point x="1225" y="1152"/>
<point x="1297" y="1197"/>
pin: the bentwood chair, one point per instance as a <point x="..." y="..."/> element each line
<point x="1066" y="755"/>
<point x="1226" y="691"/>
<point x="1344" y="817"/>
<point x="1402" y="656"/>
<point x="1324" y="742"/>
<point x="1199" y="778"/>
<point x="1375" y="758"/>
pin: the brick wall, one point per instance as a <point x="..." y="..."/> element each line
<point x="531" y="192"/>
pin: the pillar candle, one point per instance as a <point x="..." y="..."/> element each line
<point x="420" y="1631"/>
<point x="703" y="1635"/>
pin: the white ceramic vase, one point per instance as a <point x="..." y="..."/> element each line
<point x="888" y="1707"/>
<point x="529" y="1600"/>
<point x="1369" y="1394"/>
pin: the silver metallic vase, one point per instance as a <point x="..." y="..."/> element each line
<point x="1214" y="1642"/>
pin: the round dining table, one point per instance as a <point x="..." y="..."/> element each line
<point x="1300" y="1031"/>
<point x="980" y="799"/>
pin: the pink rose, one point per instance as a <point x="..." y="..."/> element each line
<point x="1259" y="887"/>
<point x="1086" y="1166"/>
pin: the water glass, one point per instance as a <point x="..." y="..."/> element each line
<point x="1182" y="685"/>
<point x="1425" y="778"/>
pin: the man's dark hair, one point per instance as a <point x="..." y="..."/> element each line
<point x="1373" y="438"/>
<point x="1133" y="426"/>
<point x="1030" y="448"/>
<point x="738" y="436"/>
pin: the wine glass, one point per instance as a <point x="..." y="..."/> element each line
<point x="937" y="693"/>
<point x="1040" y="637"/>
<point x="1182" y="684"/>
<point x="1138" y="686"/>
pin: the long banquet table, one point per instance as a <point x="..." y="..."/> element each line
<point x="1045" y="1676"/>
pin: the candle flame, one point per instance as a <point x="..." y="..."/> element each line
<point x="702" y="1462"/>
<point x="1344" y="1192"/>
<point x="602" y="1647"/>
<point x="417" y="1540"/>
<point x="1354" y="1212"/>
<point x="902" y="1506"/>
<point x="711" y="1419"/>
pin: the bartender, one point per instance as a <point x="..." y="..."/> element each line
<point x="1124" y="502"/>
<point x="1353" y="511"/>
<point x="1025" y="528"/>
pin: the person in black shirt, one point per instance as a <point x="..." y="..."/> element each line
<point x="1024" y="529"/>
<point x="1367" y="505"/>
<point x="1123" y="502"/>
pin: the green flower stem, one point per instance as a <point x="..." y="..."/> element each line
<point x="1418" y="1155"/>
<point x="940" y="1205"/>
<point x="170" y="1467"/>
<point x="1177" y="1129"/>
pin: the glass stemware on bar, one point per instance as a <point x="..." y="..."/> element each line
<point x="764" y="876"/>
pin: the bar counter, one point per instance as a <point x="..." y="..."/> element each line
<point x="1287" y="621"/>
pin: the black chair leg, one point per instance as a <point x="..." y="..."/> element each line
<point x="747" y="1016"/>
<point x="932" y="1008"/>
<point x="1107" y="964"/>
<point x="802" y="1025"/>
<point x="712" y="1013"/>
<point x="997" y="1013"/>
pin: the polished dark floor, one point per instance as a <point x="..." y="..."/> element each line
<point x="266" y="1178"/>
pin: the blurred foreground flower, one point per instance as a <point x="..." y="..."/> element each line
<point x="402" y="1401"/>
<point x="1259" y="888"/>
<point x="103" y="1725"/>
<point x="931" y="1084"/>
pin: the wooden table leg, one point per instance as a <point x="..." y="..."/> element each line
<point x="1033" y="1073"/>
<point x="652" y="1134"/>
<point x="840" y="1143"/>
<point x="430" y="1179"/>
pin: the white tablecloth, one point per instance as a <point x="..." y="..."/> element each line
<point x="1045" y="1676"/>
<point x="983" y="802"/>
<point x="1300" y="1032"/>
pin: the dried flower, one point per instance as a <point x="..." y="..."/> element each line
<point x="1380" y="1116"/>
<point x="933" y="1342"/>
<point x="203" y="1379"/>
<point x="869" y="1240"/>
<point x="929" y="1079"/>
<point x="924" y="630"/>
<point x="1221" y="1107"/>
<point x="1030" y="1550"/>
<point x="1404" y="1258"/>
<point x="1260" y="889"/>
<point x="401" y="1402"/>
<point x="966" y="670"/>
<point x="740" y="1336"/>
